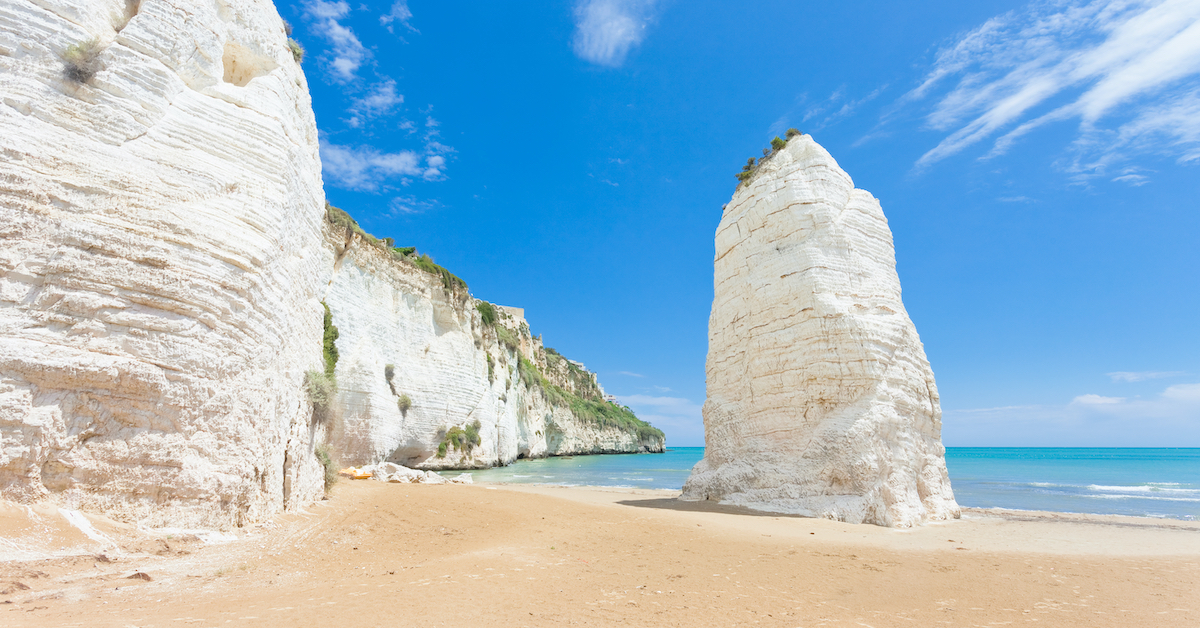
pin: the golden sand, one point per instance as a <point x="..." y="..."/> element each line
<point x="381" y="554"/>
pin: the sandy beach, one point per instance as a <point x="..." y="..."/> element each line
<point x="379" y="554"/>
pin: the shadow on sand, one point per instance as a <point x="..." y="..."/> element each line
<point x="704" y="506"/>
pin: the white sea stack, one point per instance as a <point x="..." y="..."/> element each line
<point x="821" y="401"/>
<point x="161" y="251"/>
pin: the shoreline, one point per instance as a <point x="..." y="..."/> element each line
<point x="1012" y="514"/>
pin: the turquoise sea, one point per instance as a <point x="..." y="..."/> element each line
<point x="1141" y="482"/>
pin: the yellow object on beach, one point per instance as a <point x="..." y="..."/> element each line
<point x="355" y="474"/>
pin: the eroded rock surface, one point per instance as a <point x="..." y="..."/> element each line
<point x="164" y="256"/>
<point x="160" y="258"/>
<point x="821" y="401"/>
<point x="403" y="333"/>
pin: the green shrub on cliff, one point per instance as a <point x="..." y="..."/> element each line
<point x="589" y="411"/>
<point x="338" y="216"/>
<point x="326" y="460"/>
<point x="321" y="388"/>
<point x="404" y="403"/>
<point x="464" y="439"/>
<point x="508" y="338"/>
<point x="751" y="167"/>
<point x="426" y="263"/>
<point x="82" y="60"/>
<point x="389" y="374"/>
<point x="487" y="311"/>
<point x="329" y="342"/>
<point x="297" y="50"/>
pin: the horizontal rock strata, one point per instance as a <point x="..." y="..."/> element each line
<point x="159" y="224"/>
<point x="164" y="254"/>
<point x="454" y="370"/>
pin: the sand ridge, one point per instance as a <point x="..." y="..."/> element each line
<point x="422" y="555"/>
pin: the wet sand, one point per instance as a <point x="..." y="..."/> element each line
<point x="429" y="555"/>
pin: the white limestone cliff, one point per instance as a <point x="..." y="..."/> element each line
<point x="164" y="255"/>
<point x="821" y="401"/>
<point x="389" y="312"/>
<point x="160" y="258"/>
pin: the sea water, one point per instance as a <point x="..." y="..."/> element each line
<point x="1141" y="482"/>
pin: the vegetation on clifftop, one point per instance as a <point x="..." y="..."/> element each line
<point x="585" y="401"/>
<point x="406" y="254"/>
<point x="593" y="410"/>
<point x="751" y="167"/>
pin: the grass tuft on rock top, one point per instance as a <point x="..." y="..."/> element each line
<point x="777" y="144"/>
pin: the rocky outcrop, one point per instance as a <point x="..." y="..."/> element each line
<point x="160" y="238"/>
<point x="408" y="333"/>
<point x="821" y="401"/>
<point x="164" y="255"/>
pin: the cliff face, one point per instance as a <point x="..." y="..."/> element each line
<point x="820" y="398"/>
<point x="164" y="255"/>
<point x="160" y="254"/>
<point x="455" y="370"/>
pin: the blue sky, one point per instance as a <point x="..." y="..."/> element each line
<point x="1038" y="163"/>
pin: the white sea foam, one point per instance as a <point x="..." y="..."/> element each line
<point x="1149" y="497"/>
<point x="1141" y="489"/>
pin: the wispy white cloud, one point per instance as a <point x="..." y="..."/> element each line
<point x="364" y="168"/>
<point x="606" y="30"/>
<point x="1141" y="376"/>
<point x="398" y="14"/>
<point x="348" y="53"/>
<point x="1016" y="199"/>
<point x="1068" y="60"/>
<point x="826" y="112"/>
<point x="380" y="100"/>
<point x="1171" y="418"/>
<point x="403" y="205"/>
<point x="630" y="374"/>
<point x="1096" y="400"/>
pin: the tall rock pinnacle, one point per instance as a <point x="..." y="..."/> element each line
<point x="821" y="401"/>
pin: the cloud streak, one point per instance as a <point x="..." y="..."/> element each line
<point x="366" y="169"/>
<point x="399" y="13"/>
<point x="1057" y="61"/>
<point x="607" y="30"/>
<point x="379" y="101"/>
<point x="348" y="53"/>
<point x="1169" y="419"/>
<point x="1141" y="376"/>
